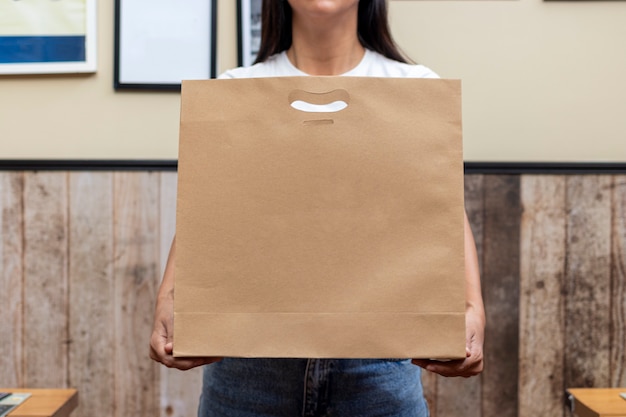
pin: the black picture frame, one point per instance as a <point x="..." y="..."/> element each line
<point x="248" y="31"/>
<point x="159" y="44"/>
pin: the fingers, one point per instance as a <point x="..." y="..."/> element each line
<point x="163" y="353"/>
<point x="185" y="364"/>
<point x="463" y="368"/>
<point x="470" y="366"/>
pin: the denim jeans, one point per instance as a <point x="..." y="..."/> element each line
<point x="312" y="388"/>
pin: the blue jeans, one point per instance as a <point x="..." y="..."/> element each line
<point x="312" y="388"/>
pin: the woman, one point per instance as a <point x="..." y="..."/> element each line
<point x="323" y="37"/>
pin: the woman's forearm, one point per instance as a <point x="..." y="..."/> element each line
<point x="474" y="299"/>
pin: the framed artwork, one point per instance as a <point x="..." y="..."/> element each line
<point x="47" y="37"/>
<point x="159" y="43"/>
<point x="249" y="28"/>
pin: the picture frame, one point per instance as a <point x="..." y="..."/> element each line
<point x="52" y="37"/>
<point x="249" y="31"/>
<point x="159" y="44"/>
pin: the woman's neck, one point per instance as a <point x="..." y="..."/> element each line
<point x="324" y="47"/>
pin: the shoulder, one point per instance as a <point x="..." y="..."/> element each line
<point x="381" y="66"/>
<point x="275" y="66"/>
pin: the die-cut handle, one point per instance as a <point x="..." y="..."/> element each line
<point x="325" y="102"/>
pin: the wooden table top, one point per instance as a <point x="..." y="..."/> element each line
<point x="598" y="402"/>
<point x="45" y="402"/>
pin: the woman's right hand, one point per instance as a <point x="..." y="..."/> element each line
<point x="161" y="344"/>
<point x="161" y="341"/>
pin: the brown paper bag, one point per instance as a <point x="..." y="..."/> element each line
<point x="320" y="234"/>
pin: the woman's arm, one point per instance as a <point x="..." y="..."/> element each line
<point x="474" y="320"/>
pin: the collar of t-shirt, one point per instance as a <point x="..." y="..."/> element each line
<point x="359" y="69"/>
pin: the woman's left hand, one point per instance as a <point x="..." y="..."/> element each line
<point x="473" y="362"/>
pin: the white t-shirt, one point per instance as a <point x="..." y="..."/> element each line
<point x="373" y="64"/>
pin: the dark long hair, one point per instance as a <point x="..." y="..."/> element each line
<point x="372" y="29"/>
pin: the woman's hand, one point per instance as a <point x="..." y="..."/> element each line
<point x="473" y="362"/>
<point x="474" y="321"/>
<point x="161" y="345"/>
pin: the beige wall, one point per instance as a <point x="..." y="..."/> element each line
<point x="543" y="81"/>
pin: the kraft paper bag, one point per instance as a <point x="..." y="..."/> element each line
<point x="320" y="234"/>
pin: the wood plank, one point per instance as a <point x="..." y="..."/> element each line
<point x="542" y="258"/>
<point x="462" y="396"/>
<point x="11" y="274"/>
<point x="136" y="269"/>
<point x="91" y="289"/>
<point x="588" y="281"/>
<point x="180" y="391"/>
<point x="45" y="279"/>
<point x="501" y="248"/>
<point x="618" y="284"/>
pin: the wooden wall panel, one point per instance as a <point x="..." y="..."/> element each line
<point x="501" y="249"/>
<point x="45" y="283"/>
<point x="588" y="281"/>
<point x="136" y="270"/>
<point x="91" y="291"/>
<point x="11" y="278"/>
<point x="542" y="273"/>
<point x="617" y="366"/>
<point x="82" y="256"/>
